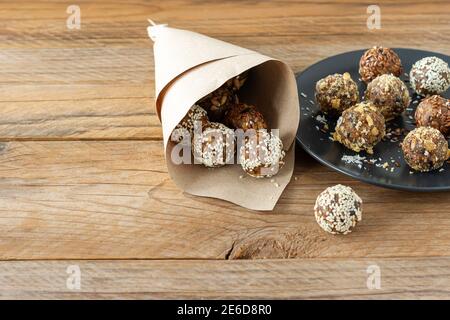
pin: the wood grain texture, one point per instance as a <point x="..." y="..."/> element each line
<point x="288" y="279"/>
<point x="114" y="199"/>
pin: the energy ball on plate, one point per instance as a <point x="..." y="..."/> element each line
<point x="338" y="209"/>
<point x="186" y="125"/>
<point x="429" y="76"/>
<point x="389" y="94"/>
<point x="360" y="127"/>
<point x="215" y="146"/>
<point x="335" y="93"/>
<point x="434" y="112"/>
<point x="244" y="116"/>
<point x="425" y="149"/>
<point x="262" y="154"/>
<point x="218" y="102"/>
<point x="377" y="61"/>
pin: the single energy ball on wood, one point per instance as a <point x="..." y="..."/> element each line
<point x="215" y="146"/>
<point x="262" y="154"/>
<point x="425" y="149"/>
<point x="185" y="129"/>
<point x="429" y="76"/>
<point x="434" y="112"/>
<point x="377" y="61"/>
<point x="389" y="94"/>
<point x="244" y="116"/>
<point x="335" y="93"/>
<point x="338" y="209"/>
<point x="360" y="127"/>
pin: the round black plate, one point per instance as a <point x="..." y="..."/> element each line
<point x="315" y="138"/>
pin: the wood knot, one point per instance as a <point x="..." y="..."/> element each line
<point x="271" y="244"/>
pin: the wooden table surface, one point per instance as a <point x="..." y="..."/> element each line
<point x="83" y="180"/>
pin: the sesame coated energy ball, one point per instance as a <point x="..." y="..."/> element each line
<point x="377" y="61"/>
<point x="244" y="116"/>
<point x="434" y="112"/>
<point x="215" y="146"/>
<point x="429" y="76"/>
<point x="425" y="149"/>
<point x="360" y="127"/>
<point x="389" y="94"/>
<point x="262" y="154"/>
<point x="338" y="209"/>
<point x="335" y="93"/>
<point x="195" y="116"/>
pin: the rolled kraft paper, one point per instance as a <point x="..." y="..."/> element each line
<point x="186" y="71"/>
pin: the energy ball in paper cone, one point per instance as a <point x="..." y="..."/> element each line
<point x="196" y="115"/>
<point x="425" y="149"/>
<point x="360" y="127"/>
<point x="389" y="94"/>
<point x="338" y="209"/>
<point x="377" y="61"/>
<point x="190" y="66"/>
<point x="244" y="116"/>
<point x="434" y="112"/>
<point x="429" y="76"/>
<point x="215" y="145"/>
<point x="335" y="93"/>
<point x="262" y="154"/>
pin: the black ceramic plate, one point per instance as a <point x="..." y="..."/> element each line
<point x="315" y="139"/>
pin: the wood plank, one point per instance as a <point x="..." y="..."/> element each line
<point x="53" y="79"/>
<point x="425" y="278"/>
<point x="115" y="200"/>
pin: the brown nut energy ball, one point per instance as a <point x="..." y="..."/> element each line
<point x="338" y="209"/>
<point x="218" y="102"/>
<point x="335" y="93"/>
<point x="429" y="76"/>
<point x="262" y="154"/>
<point x="434" y="112"/>
<point x="360" y="127"/>
<point x="215" y="146"/>
<point x="186" y="125"/>
<point x="377" y="61"/>
<point x="425" y="149"/>
<point x="244" y="116"/>
<point x="389" y="94"/>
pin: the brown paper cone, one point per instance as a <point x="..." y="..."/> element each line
<point x="188" y="66"/>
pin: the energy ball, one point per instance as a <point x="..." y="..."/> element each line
<point x="186" y="125"/>
<point x="434" y="112"/>
<point x="244" y="116"/>
<point x="360" y="127"/>
<point x="429" y="76"/>
<point x="377" y="61"/>
<point x="218" y="102"/>
<point x="338" y="209"/>
<point x="237" y="82"/>
<point x="335" y="93"/>
<point x="389" y="94"/>
<point x="425" y="149"/>
<point x="215" y="146"/>
<point x="262" y="154"/>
